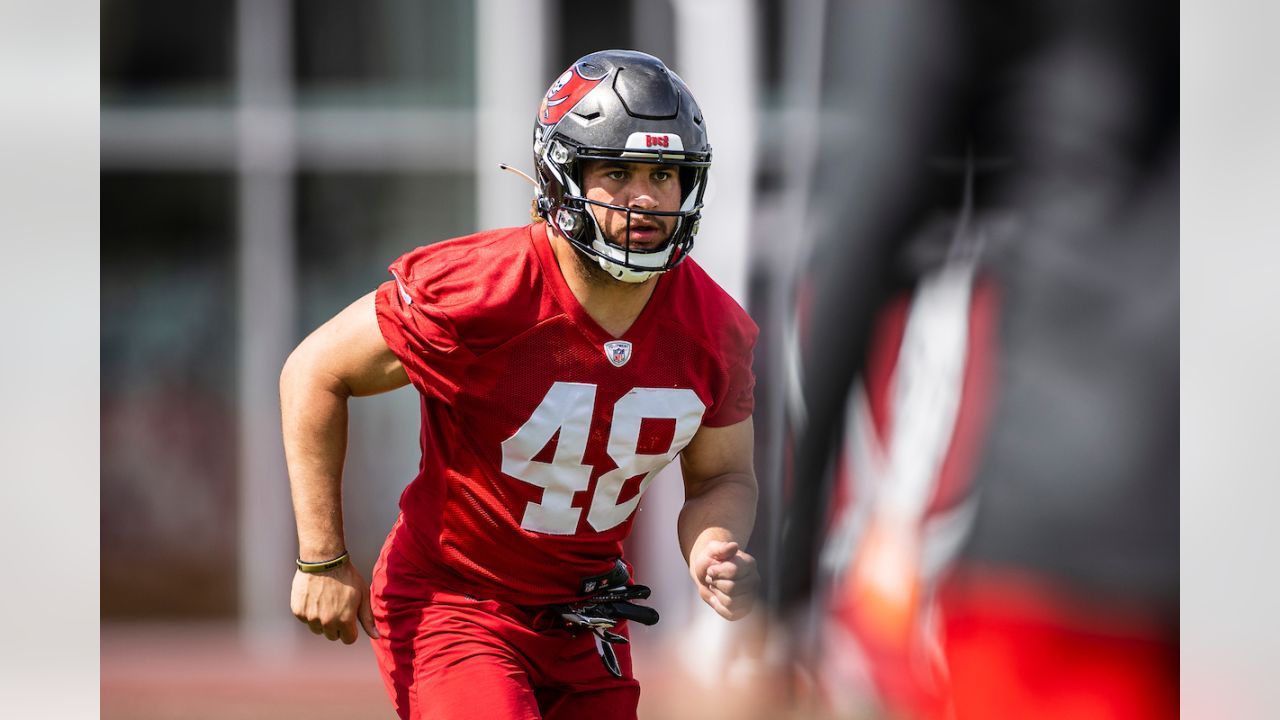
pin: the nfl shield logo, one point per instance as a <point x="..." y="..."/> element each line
<point x="618" y="352"/>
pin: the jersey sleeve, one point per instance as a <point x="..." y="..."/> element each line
<point x="416" y="327"/>
<point x="738" y="401"/>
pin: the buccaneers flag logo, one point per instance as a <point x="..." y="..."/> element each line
<point x="565" y="92"/>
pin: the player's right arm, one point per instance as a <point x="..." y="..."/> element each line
<point x="344" y="357"/>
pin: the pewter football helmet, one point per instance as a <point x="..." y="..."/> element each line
<point x="619" y="105"/>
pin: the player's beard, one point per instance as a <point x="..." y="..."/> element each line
<point x="589" y="270"/>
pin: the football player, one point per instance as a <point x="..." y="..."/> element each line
<point x="561" y="366"/>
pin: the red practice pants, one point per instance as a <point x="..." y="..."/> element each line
<point x="447" y="655"/>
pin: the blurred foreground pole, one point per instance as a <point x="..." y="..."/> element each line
<point x="511" y="75"/>
<point x="781" y="248"/>
<point x="265" y="160"/>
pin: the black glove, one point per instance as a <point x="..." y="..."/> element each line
<point x="603" y="610"/>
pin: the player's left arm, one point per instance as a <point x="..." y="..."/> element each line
<point x="718" y="515"/>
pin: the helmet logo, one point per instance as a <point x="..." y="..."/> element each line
<point x="655" y="140"/>
<point x="563" y="95"/>
<point x="618" y="352"/>
<point x="559" y="83"/>
<point x="662" y="140"/>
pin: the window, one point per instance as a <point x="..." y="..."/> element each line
<point x="155" y="51"/>
<point x="168" y="406"/>
<point x="384" y="52"/>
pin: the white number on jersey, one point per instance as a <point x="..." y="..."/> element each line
<point x="568" y="408"/>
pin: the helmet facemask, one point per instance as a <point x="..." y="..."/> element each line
<point x="569" y="210"/>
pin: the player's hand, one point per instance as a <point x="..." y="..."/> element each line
<point x="727" y="578"/>
<point x="330" y="603"/>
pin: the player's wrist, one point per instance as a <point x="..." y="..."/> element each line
<point x="319" y="566"/>
<point x="708" y="536"/>
<point x="318" y="546"/>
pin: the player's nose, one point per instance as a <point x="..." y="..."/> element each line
<point x="642" y="194"/>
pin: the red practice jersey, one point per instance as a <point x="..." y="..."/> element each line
<point x="540" y="431"/>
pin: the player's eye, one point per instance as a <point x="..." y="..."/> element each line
<point x="662" y="175"/>
<point x="617" y="175"/>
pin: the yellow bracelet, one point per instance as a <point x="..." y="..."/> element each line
<point x="319" y="567"/>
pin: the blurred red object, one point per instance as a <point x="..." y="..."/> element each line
<point x="1018" y="648"/>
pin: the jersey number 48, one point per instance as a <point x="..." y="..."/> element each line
<point x="568" y="408"/>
